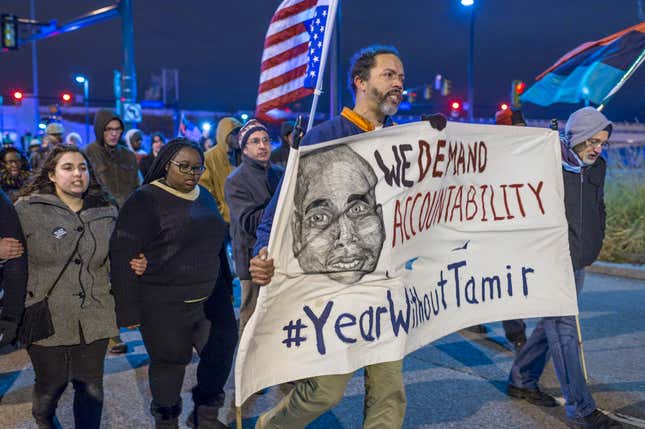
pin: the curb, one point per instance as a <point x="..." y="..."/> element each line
<point x="621" y="270"/>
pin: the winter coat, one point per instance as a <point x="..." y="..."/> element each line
<point x="146" y="164"/>
<point x="13" y="272"/>
<point x="218" y="166"/>
<point x="248" y="190"/>
<point x="181" y="236"/>
<point x="115" y="168"/>
<point x="585" y="209"/>
<point x="82" y="296"/>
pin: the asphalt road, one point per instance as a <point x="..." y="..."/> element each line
<point x="457" y="382"/>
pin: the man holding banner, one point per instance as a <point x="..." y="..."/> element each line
<point x="376" y="79"/>
<point x="586" y="133"/>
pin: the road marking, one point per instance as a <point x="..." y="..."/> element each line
<point x="624" y="418"/>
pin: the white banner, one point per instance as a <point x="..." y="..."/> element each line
<point x="386" y="241"/>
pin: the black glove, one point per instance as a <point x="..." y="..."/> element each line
<point x="7" y="332"/>
<point x="437" y="121"/>
<point x="297" y="133"/>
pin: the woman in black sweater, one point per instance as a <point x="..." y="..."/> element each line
<point x="183" y="299"/>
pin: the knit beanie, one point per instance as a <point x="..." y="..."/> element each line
<point x="249" y="128"/>
<point x="584" y="124"/>
<point x="54" y="128"/>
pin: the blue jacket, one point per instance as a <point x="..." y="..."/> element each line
<point x="348" y="123"/>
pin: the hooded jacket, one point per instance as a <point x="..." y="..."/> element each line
<point x="218" y="165"/>
<point x="116" y="167"/>
<point x="139" y="154"/>
<point x="584" y="197"/>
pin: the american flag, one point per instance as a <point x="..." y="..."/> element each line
<point x="188" y="129"/>
<point x="292" y="54"/>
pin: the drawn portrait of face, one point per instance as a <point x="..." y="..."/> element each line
<point x="337" y="224"/>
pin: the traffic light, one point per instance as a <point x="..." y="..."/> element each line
<point x="438" y="82"/>
<point x="446" y="87"/>
<point x="517" y="89"/>
<point x="66" y="98"/>
<point x="9" y="27"/>
<point x="17" y="97"/>
<point x="412" y="97"/>
<point x="427" y="92"/>
<point x="455" y="108"/>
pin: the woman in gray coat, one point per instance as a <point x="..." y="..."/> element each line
<point x="67" y="221"/>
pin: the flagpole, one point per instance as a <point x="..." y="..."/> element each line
<point x="329" y="31"/>
<point x="582" y="350"/>
<point x="621" y="82"/>
<point x="335" y="78"/>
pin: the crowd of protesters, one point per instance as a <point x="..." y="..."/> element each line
<point x="115" y="237"/>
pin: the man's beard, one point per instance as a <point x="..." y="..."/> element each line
<point x="387" y="107"/>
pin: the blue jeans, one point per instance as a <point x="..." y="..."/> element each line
<point x="559" y="336"/>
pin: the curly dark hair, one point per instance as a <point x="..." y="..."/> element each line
<point x="41" y="183"/>
<point x="364" y="60"/>
<point x="8" y="149"/>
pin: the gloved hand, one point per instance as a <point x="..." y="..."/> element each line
<point x="7" y="332"/>
<point x="297" y="133"/>
<point x="437" y="120"/>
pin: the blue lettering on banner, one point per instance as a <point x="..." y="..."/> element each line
<point x="418" y="308"/>
<point x="319" y="323"/>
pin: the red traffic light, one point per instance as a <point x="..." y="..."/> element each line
<point x="66" y="97"/>
<point x="455" y="105"/>
<point x="18" y="95"/>
<point x="503" y="106"/>
<point x="520" y="87"/>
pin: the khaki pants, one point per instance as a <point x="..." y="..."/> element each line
<point x="384" y="399"/>
<point x="250" y="293"/>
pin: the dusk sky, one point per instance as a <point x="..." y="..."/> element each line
<point x="217" y="45"/>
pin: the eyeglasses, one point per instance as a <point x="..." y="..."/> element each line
<point x="187" y="168"/>
<point x="596" y="143"/>
<point x="256" y="140"/>
<point x="113" y="130"/>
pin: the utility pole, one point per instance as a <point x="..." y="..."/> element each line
<point x="128" y="75"/>
<point x="471" y="68"/>
<point x="34" y="64"/>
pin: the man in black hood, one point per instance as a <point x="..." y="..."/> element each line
<point x="115" y="168"/>
<point x="114" y="165"/>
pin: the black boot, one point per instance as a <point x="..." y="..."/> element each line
<point x="166" y="417"/>
<point x="204" y="415"/>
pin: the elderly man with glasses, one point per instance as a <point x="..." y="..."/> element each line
<point x="585" y="135"/>
<point x="248" y="190"/>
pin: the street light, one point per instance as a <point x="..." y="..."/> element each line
<point x="471" y="60"/>
<point x="83" y="80"/>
